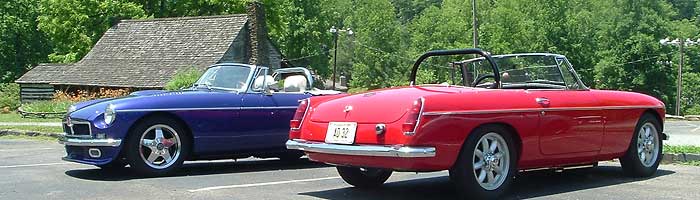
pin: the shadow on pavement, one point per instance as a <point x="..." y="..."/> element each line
<point x="198" y="168"/>
<point x="527" y="185"/>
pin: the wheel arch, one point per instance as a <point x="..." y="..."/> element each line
<point x="656" y="115"/>
<point x="512" y="132"/>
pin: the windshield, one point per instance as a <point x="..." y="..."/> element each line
<point x="225" y="77"/>
<point x="530" y="71"/>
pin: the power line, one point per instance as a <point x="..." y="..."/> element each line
<point x="312" y="55"/>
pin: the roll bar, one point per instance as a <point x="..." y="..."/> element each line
<point x="428" y="54"/>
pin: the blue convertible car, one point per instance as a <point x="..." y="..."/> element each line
<point x="232" y="111"/>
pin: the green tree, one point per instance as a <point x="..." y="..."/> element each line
<point x="379" y="54"/>
<point x="691" y="94"/>
<point x="628" y="47"/>
<point x="172" y="8"/>
<point x="301" y="31"/>
<point x="21" y="45"/>
<point x="74" y="26"/>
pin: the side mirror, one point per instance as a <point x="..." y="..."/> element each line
<point x="268" y="92"/>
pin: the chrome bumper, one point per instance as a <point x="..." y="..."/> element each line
<point x="89" y="142"/>
<point x="362" y="150"/>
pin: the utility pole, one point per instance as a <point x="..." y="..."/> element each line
<point x="335" y="33"/>
<point x="475" y="25"/>
<point x="681" y="43"/>
<point x="680" y="80"/>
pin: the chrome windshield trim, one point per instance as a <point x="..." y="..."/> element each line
<point x="473" y="112"/>
<point x="69" y="141"/>
<point x="213" y="108"/>
<point x="362" y="150"/>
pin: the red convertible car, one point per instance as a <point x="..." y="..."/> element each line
<point x="502" y="115"/>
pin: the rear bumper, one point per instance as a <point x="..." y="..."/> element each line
<point x="362" y="150"/>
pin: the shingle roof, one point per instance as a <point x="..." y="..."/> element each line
<point x="44" y="73"/>
<point x="147" y="53"/>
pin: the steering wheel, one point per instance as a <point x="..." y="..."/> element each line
<point x="482" y="78"/>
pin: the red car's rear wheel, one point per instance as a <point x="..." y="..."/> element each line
<point x="364" y="177"/>
<point x="486" y="165"/>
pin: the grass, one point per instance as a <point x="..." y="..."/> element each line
<point x="682" y="149"/>
<point x="14" y="117"/>
<point x="47" y="106"/>
<point x="692" y="163"/>
<point x="40" y="129"/>
<point x="24" y="137"/>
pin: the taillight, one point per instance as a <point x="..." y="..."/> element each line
<point x="413" y="117"/>
<point x="295" y="123"/>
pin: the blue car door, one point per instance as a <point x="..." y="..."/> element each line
<point x="286" y="104"/>
<point x="256" y="122"/>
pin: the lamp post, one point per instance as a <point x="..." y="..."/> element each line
<point x="335" y="33"/>
<point x="475" y="25"/>
<point x="681" y="45"/>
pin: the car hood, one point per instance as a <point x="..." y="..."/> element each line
<point x="153" y="100"/>
<point x="379" y="106"/>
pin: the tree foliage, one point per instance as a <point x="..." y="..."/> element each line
<point x="613" y="44"/>
<point x="21" y="45"/>
<point x="74" y="26"/>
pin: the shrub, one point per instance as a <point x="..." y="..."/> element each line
<point x="184" y="78"/>
<point x="83" y="95"/>
<point x="9" y="97"/>
<point x="47" y="106"/>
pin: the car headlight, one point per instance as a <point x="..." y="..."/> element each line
<point x="110" y="115"/>
<point x="72" y="108"/>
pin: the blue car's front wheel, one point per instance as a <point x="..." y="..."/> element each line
<point x="157" y="146"/>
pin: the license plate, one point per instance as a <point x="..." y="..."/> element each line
<point x="341" y="132"/>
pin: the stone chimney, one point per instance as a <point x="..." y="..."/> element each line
<point x="257" y="29"/>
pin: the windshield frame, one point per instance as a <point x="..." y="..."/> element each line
<point x="569" y="66"/>
<point x="247" y="82"/>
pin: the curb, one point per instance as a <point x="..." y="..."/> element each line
<point x="668" y="158"/>
<point x="29" y="133"/>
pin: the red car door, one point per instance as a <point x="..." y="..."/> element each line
<point x="570" y="121"/>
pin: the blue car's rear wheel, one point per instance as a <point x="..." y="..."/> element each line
<point x="157" y="146"/>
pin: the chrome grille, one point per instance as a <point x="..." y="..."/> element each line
<point x="77" y="128"/>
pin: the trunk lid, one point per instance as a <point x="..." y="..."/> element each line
<point x="379" y="106"/>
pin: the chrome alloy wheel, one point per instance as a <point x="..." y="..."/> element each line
<point x="160" y="146"/>
<point x="648" y="144"/>
<point x="491" y="161"/>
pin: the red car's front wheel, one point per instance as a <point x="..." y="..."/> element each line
<point x="644" y="153"/>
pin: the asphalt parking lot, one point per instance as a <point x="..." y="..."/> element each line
<point x="683" y="132"/>
<point x="33" y="170"/>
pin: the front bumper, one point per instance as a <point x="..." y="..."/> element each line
<point x="89" y="142"/>
<point x="362" y="150"/>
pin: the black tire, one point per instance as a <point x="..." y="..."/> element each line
<point x="463" y="173"/>
<point x="364" y="177"/>
<point x="116" y="164"/>
<point x="291" y="156"/>
<point x="133" y="147"/>
<point x="631" y="162"/>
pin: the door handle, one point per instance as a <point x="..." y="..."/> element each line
<point x="544" y="102"/>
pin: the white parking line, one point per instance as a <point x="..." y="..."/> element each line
<point x="34" y="165"/>
<point x="260" y="184"/>
<point x="6" y="150"/>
